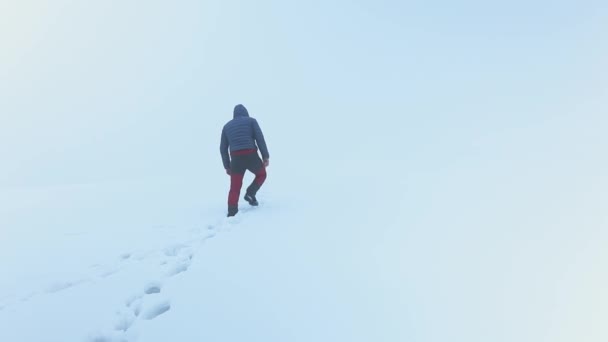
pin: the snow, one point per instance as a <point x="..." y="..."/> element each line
<point x="435" y="175"/>
<point x="322" y="263"/>
<point x="84" y="290"/>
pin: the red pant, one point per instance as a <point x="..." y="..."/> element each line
<point x="236" y="183"/>
<point x="241" y="162"/>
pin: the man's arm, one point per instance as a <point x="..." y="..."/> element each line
<point x="224" y="150"/>
<point x="259" y="139"/>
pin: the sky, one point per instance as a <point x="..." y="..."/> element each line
<point x="112" y="90"/>
<point x="481" y="124"/>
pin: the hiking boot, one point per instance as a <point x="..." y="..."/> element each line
<point x="251" y="199"/>
<point x="232" y="211"/>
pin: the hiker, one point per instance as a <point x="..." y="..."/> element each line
<point x="241" y="139"/>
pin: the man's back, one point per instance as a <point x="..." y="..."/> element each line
<point x="242" y="133"/>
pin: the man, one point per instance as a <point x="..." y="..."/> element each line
<point x="242" y="136"/>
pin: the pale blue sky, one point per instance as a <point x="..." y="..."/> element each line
<point x="480" y="124"/>
<point x="104" y="90"/>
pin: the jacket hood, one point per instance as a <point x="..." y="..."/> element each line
<point x="240" y="111"/>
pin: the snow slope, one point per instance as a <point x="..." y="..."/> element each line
<point x="438" y="171"/>
<point x="341" y="257"/>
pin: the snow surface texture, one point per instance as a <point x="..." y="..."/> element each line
<point x="108" y="297"/>
<point x="293" y="269"/>
<point x="438" y="171"/>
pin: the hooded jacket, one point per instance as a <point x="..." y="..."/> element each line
<point x="242" y="133"/>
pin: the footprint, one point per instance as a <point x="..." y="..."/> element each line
<point x="156" y="309"/>
<point x="187" y="255"/>
<point x="142" y="255"/>
<point x="125" y="256"/>
<point x="108" y="273"/>
<point x="131" y="300"/>
<point x="153" y="287"/>
<point x="114" y="337"/>
<point x="28" y="296"/>
<point x="184" y="259"/>
<point x="231" y="221"/>
<point x="5" y="302"/>
<point x="179" y="268"/>
<point x="62" y="285"/>
<point x="136" y="305"/>
<point x="174" y="250"/>
<point x="124" y="321"/>
<point x="210" y="234"/>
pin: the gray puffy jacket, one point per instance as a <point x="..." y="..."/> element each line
<point x="242" y="133"/>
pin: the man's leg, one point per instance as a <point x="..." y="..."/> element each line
<point x="238" y="166"/>
<point x="257" y="167"/>
<point x="236" y="182"/>
<point x="260" y="178"/>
